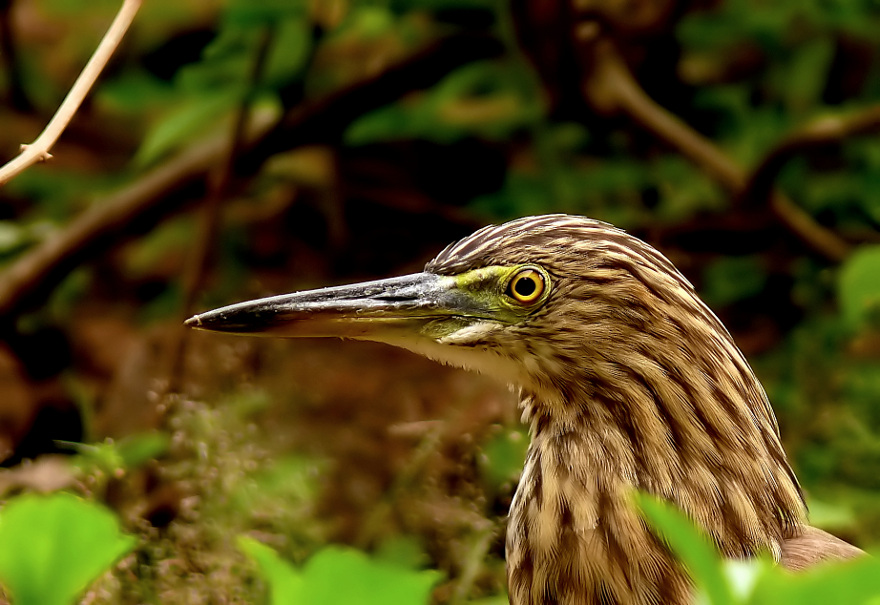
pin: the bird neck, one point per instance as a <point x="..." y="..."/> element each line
<point x="691" y="427"/>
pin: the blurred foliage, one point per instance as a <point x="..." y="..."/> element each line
<point x="725" y="582"/>
<point x="55" y="546"/>
<point x="336" y="575"/>
<point x="859" y="288"/>
<point x="487" y="142"/>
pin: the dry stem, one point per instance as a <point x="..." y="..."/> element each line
<point x="38" y="151"/>
<point x="611" y="86"/>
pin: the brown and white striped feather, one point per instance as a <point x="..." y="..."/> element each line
<point x="640" y="386"/>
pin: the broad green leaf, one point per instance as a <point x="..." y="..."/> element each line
<point x="854" y="582"/>
<point x="53" y="547"/>
<point x="186" y="121"/>
<point x="692" y="548"/>
<point x="285" y="581"/>
<point x="858" y="286"/>
<point x="342" y="576"/>
<point x="743" y="576"/>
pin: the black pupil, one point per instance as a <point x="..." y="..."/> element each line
<point x="525" y="286"/>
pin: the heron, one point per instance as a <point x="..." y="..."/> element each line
<point x="627" y="381"/>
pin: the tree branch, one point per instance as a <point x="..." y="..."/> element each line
<point x="610" y="87"/>
<point x="824" y="132"/>
<point x="28" y="280"/>
<point x="38" y="151"/>
<point x="209" y="221"/>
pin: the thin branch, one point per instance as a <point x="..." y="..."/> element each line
<point x="825" y="132"/>
<point x="474" y="561"/>
<point x="38" y="151"/>
<point x="31" y="277"/>
<point x="209" y="221"/>
<point x="612" y="87"/>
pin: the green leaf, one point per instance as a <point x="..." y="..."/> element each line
<point x="692" y="548"/>
<point x="730" y="279"/>
<point x="183" y="123"/>
<point x="805" y="75"/>
<point x="502" y="457"/>
<point x="285" y="582"/>
<point x="341" y="576"/>
<point x="855" y="582"/>
<point x="139" y="449"/>
<point x="403" y="551"/>
<point x="486" y="99"/>
<point x="858" y="286"/>
<point x="54" y="546"/>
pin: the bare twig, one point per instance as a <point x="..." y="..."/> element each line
<point x="613" y="80"/>
<point x="474" y="561"/>
<point x="612" y="87"/>
<point x="29" y="279"/>
<point x="38" y="151"/>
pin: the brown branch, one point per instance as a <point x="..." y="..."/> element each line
<point x="38" y="151"/>
<point x="824" y="132"/>
<point x="28" y="280"/>
<point x="209" y="221"/>
<point x="611" y="87"/>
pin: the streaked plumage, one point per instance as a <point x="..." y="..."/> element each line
<point x="627" y="381"/>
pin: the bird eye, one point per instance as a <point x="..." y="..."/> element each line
<point x="526" y="287"/>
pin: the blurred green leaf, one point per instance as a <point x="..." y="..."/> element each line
<point x="730" y="279"/>
<point x="855" y="582"/>
<point x="827" y="514"/>
<point x="55" y="546"/>
<point x="190" y="118"/>
<point x="501" y="459"/>
<point x="136" y="450"/>
<point x="285" y="582"/>
<point x="15" y="236"/>
<point x="341" y="576"/>
<point x="743" y="576"/>
<point x="135" y="93"/>
<point x="693" y="548"/>
<point x="858" y="286"/>
<point x="127" y="453"/>
<point x="404" y="551"/>
<point x="804" y="76"/>
<point x="483" y="99"/>
<point x="288" y="479"/>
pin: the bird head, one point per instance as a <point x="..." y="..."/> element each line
<point x="626" y="377"/>
<point x="539" y="302"/>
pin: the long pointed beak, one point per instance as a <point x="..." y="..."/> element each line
<point x="375" y="310"/>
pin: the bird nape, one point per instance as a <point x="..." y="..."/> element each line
<point x="627" y="381"/>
